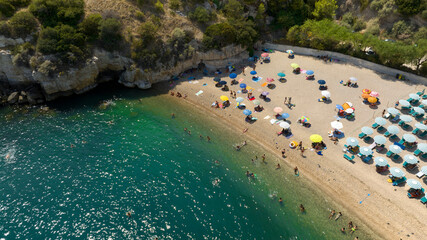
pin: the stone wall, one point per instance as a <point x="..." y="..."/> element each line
<point x="349" y="59"/>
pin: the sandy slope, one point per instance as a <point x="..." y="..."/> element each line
<point x="388" y="211"/>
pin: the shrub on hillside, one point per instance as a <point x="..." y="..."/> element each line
<point x="325" y="9"/>
<point x="159" y="7"/>
<point x="50" y="13"/>
<point x="383" y="7"/>
<point x="401" y="30"/>
<point x="5" y="29"/>
<point x="409" y="7"/>
<point x="22" y="24"/>
<point x="6" y="9"/>
<point x="219" y="35"/>
<point x="90" y="26"/>
<point x="200" y="15"/>
<point x="110" y="33"/>
<point x="175" y="4"/>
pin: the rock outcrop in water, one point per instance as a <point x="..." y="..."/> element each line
<point x="21" y="85"/>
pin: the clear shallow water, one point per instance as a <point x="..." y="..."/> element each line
<point x="143" y="162"/>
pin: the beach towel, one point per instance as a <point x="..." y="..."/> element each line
<point x="257" y="79"/>
<point x="195" y="82"/>
<point x="273" y="121"/>
<point x="252" y="98"/>
<point x="249" y="89"/>
<point x="264" y="84"/>
<point x="204" y="84"/>
<point x="289" y="135"/>
<point x="241" y="80"/>
<point x="267" y="117"/>
<point x="199" y="92"/>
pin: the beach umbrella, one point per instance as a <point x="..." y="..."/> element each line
<point x="409" y="138"/>
<point x="316" y="138"/>
<point x="353" y="79"/>
<point x="265" y="93"/>
<point x="284" y="125"/>
<point x="256" y="102"/>
<point x="233" y="75"/>
<point x="397" y="172"/>
<point x="422" y="147"/>
<point x="406" y="118"/>
<point x="404" y="103"/>
<point x="367" y="130"/>
<point x="336" y="125"/>
<point x="410" y="159"/>
<point x="372" y="99"/>
<point x="217" y="79"/>
<point x="289" y="51"/>
<point x="424" y="102"/>
<point x="321" y="82"/>
<point x="392" y="111"/>
<point x="239" y="99"/>
<point x="281" y="74"/>
<point x="223" y="98"/>
<point x="412" y="183"/>
<point x="339" y="107"/>
<point x="223" y="82"/>
<point x="366" y="91"/>
<point x="414" y="96"/>
<point x="374" y="94"/>
<point x="352" y="141"/>
<point x="326" y="94"/>
<point x="349" y="104"/>
<point x="270" y="80"/>
<point x="294" y="65"/>
<point x="304" y="119"/>
<point x="247" y="112"/>
<point x="285" y="115"/>
<point x="424" y="170"/>
<point x="380" y="161"/>
<point x="366" y="96"/>
<point x="380" y="139"/>
<point x="393" y="129"/>
<point x="278" y="110"/>
<point x="253" y="72"/>
<point x="309" y="72"/>
<point x="395" y="149"/>
<point x="264" y="55"/>
<point x="365" y="151"/>
<point x="421" y="126"/>
<point x="380" y="121"/>
<point x="242" y="85"/>
<point x="349" y="110"/>
<point x="419" y="110"/>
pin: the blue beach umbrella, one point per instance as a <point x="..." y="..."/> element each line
<point x="352" y="141"/>
<point x="310" y="72"/>
<point x="393" y="111"/>
<point x="393" y="129"/>
<point x="395" y="149"/>
<point x="404" y="103"/>
<point x="414" y="96"/>
<point x="253" y="72"/>
<point x="239" y="99"/>
<point x="281" y="74"/>
<point x="409" y="138"/>
<point x="233" y="75"/>
<point x="406" y="118"/>
<point x="285" y="115"/>
<point x="397" y="172"/>
<point x="380" y="121"/>
<point x="411" y="159"/>
<point x="365" y="151"/>
<point x="421" y="126"/>
<point x="412" y="183"/>
<point x="242" y="85"/>
<point x="422" y="147"/>
<point x="380" y="161"/>
<point x="367" y="130"/>
<point x="424" y="170"/>
<point x="223" y="82"/>
<point x="247" y="112"/>
<point x="217" y="79"/>
<point x="379" y="139"/>
<point x="321" y="82"/>
<point x="339" y="107"/>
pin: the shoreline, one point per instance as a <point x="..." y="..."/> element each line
<point x="332" y="170"/>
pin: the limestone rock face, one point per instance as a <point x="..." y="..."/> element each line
<point x="13" y="98"/>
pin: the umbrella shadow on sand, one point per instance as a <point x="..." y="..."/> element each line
<point x="283" y="80"/>
<point x="267" y="99"/>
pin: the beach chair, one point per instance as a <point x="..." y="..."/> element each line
<point x="379" y="148"/>
<point x="419" y="174"/>
<point x="424" y="155"/>
<point x="421" y="93"/>
<point x="389" y="153"/>
<point x="401" y="123"/>
<point x="405" y="126"/>
<point x="415" y="102"/>
<point x="361" y="135"/>
<point x="396" y="118"/>
<point x="423" y="200"/>
<point x="425" y="96"/>
<point x="367" y="159"/>
<point x="417" y="152"/>
<point x="380" y="129"/>
<point x="399" y="181"/>
<point x="401" y="141"/>
<point x="375" y="125"/>
<point x="415" y="131"/>
<point x="406" y="107"/>
<point x="367" y="139"/>
<point x="393" y="136"/>
<point x="405" y="164"/>
<point x="423" y="133"/>
<point x="349" y="158"/>
<point x="396" y="156"/>
<point x="386" y="134"/>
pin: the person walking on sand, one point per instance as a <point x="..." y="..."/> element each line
<point x="296" y="171"/>
<point x="383" y="113"/>
<point x="283" y="152"/>
<point x="300" y="145"/>
<point x="338" y="216"/>
<point x="290" y="98"/>
<point x="302" y="152"/>
<point x="332" y="214"/>
<point x="243" y="71"/>
<point x="278" y="166"/>
<point x="286" y="98"/>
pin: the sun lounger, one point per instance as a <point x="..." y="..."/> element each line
<point x="417" y="152"/>
<point x="406" y="107"/>
<point x="401" y="123"/>
<point x="380" y="129"/>
<point x="405" y="164"/>
<point x="399" y="181"/>
<point x="361" y="135"/>
<point x="409" y="99"/>
<point x="396" y="156"/>
<point x="401" y="141"/>
<point x="423" y="133"/>
<point x="367" y="159"/>
<point x="396" y="118"/>
<point x="386" y="134"/>
<point x="389" y="153"/>
<point x="375" y="125"/>
<point x="421" y="93"/>
<point x="372" y="146"/>
<point x="425" y="96"/>
<point x="423" y="200"/>
<point x="367" y="139"/>
<point x="348" y="157"/>
<point x="393" y="136"/>
<point x="415" y="131"/>
<point x="419" y="174"/>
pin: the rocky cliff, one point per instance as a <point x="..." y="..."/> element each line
<point x="21" y="84"/>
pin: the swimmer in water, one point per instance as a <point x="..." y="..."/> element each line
<point x="278" y="166"/>
<point x="7" y="156"/>
<point x="189" y="132"/>
<point x="280" y="200"/>
<point x="173" y="115"/>
<point x="209" y="139"/>
<point x="301" y="208"/>
<point x="129" y="214"/>
<point x="185" y="129"/>
<point x="72" y="145"/>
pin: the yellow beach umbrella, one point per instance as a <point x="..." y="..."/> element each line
<point x="366" y="96"/>
<point x="223" y="98"/>
<point x="294" y="65"/>
<point x="372" y="99"/>
<point x="316" y="138"/>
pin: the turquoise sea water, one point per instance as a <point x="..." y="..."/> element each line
<point x="76" y="171"/>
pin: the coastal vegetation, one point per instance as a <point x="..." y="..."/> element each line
<point x="158" y="33"/>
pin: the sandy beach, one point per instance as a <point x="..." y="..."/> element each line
<point x="387" y="210"/>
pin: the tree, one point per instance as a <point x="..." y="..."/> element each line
<point x="6" y="9"/>
<point x="200" y="15"/>
<point x="418" y="53"/>
<point x="47" y="41"/>
<point x="90" y="26"/>
<point x="22" y="24"/>
<point x="233" y="9"/>
<point x="325" y="9"/>
<point x="219" y="35"/>
<point x="52" y="12"/>
<point x="409" y="7"/>
<point x="110" y="33"/>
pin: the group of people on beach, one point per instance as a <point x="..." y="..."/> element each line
<point x="351" y="227"/>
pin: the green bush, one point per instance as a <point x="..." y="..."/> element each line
<point x="424" y="14"/>
<point x="200" y="15"/>
<point x="19" y="3"/>
<point x="159" y="7"/>
<point x="6" y="9"/>
<point x="219" y="35"/>
<point x="373" y="28"/>
<point x="22" y="24"/>
<point x="401" y="30"/>
<point x="47" y="41"/>
<point x="175" y="4"/>
<point x="5" y="29"/>
<point x="233" y="9"/>
<point x="52" y="12"/>
<point x="110" y="33"/>
<point x="383" y="7"/>
<point x="409" y="7"/>
<point x="90" y="26"/>
<point x="325" y="9"/>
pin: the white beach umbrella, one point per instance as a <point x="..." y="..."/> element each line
<point x="284" y="125"/>
<point x="395" y="149"/>
<point x="353" y="79"/>
<point x="326" y="94"/>
<point x="393" y="129"/>
<point x="367" y="130"/>
<point x="393" y="111"/>
<point x="412" y="183"/>
<point x="349" y="104"/>
<point x="397" y="172"/>
<point x="380" y="161"/>
<point x="409" y="138"/>
<point x="352" y="141"/>
<point x="349" y="110"/>
<point x="406" y="118"/>
<point x="336" y="125"/>
<point x="380" y="139"/>
<point x="380" y="121"/>
<point x="422" y="147"/>
<point x="421" y="126"/>
<point x="414" y="96"/>
<point x="404" y="103"/>
<point x="365" y="151"/>
<point x="411" y="159"/>
<point x="424" y="170"/>
<point x="419" y="110"/>
<point x="239" y="99"/>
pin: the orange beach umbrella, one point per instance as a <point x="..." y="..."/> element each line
<point x="367" y="91"/>
<point x="366" y="96"/>
<point x="372" y="99"/>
